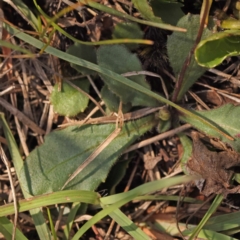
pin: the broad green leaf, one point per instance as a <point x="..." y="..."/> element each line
<point x="6" y="228"/>
<point x="116" y="174"/>
<point x="120" y="60"/>
<point x="170" y="12"/>
<point x="226" y="118"/>
<point x="179" y="46"/>
<point x="213" y="50"/>
<point x="146" y="11"/>
<point x="49" y="166"/>
<point x="69" y="101"/>
<point x="112" y="101"/>
<point x="128" y="30"/>
<point x="87" y="53"/>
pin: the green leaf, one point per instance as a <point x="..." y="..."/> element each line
<point x="6" y="228"/>
<point x="69" y="101"/>
<point x="120" y="60"/>
<point x="213" y="50"/>
<point x="146" y="11"/>
<point x="179" y="46"/>
<point x="128" y="30"/>
<point x="26" y="12"/>
<point x="170" y="12"/>
<point x="187" y="151"/>
<point x="129" y="85"/>
<point x="212" y="209"/>
<point x="85" y="52"/>
<point x="49" y="166"/>
<point x="112" y="101"/>
<point x="51" y="199"/>
<point x="226" y="118"/>
<point x="116" y="174"/>
<point x="119" y="200"/>
<point x="131" y="228"/>
<point x="223" y="222"/>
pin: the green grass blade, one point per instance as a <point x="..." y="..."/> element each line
<point x="112" y="11"/>
<point x="67" y="196"/>
<point x="130" y="227"/>
<point x="29" y="16"/>
<point x="4" y="43"/>
<point x="104" y="42"/>
<point x="70" y="219"/>
<point x="72" y="59"/>
<point x="194" y="232"/>
<point x="51" y="224"/>
<point x="6" y="228"/>
<point x="128" y="196"/>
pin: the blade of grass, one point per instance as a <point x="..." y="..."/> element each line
<point x="15" y="47"/>
<point x="67" y="196"/>
<point x="119" y="217"/>
<point x="129" y="196"/>
<point x="72" y="59"/>
<point x="51" y="224"/>
<point x="6" y="228"/>
<point x="70" y="219"/>
<point x="112" y="11"/>
<point x="104" y="42"/>
<point x="194" y="232"/>
<point x="25" y="12"/>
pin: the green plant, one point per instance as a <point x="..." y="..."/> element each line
<point x="77" y="159"/>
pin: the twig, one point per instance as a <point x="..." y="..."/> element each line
<point x="189" y="57"/>
<point x="98" y="150"/>
<point x="158" y="137"/>
<point x="5" y="161"/>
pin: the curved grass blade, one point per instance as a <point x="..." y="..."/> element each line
<point x="51" y="199"/>
<point x="72" y="59"/>
<point x="104" y="42"/>
<point x="217" y="201"/>
<point x="128" y="196"/>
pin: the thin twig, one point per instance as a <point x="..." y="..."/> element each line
<point x="189" y="57"/>
<point x="98" y="150"/>
<point x="158" y="137"/>
<point x="6" y="162"/>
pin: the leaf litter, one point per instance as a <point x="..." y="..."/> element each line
<point x="217" y="174"/>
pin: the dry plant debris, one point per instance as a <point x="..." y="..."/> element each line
<point x="214" y="167"/>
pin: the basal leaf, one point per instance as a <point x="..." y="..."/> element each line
<point x="69" y="101"/>
<point x="119" y="59"/>
<point x="49" y="166"/>
<point x="128" y="30"/>
<point x="146" y="11"/>
<point x="217" y="47"/>
<point x="226" y="118"/>
<point x="170" y="12"/>
<point x="179" y="46"/>
<point x="85" y="52"/>
<point x="112" y="101"/>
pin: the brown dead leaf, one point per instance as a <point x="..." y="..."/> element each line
<point x="214" y="167"/>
